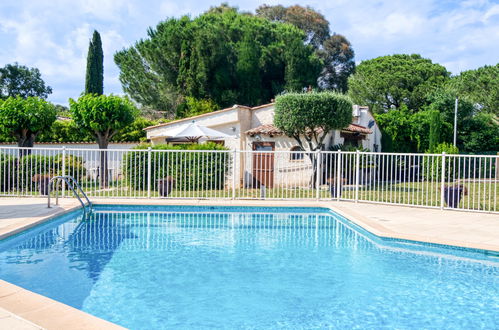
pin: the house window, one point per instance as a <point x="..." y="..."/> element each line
<point x="295" y="155"/>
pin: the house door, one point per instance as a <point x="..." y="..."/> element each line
<point x="263" y="164"/>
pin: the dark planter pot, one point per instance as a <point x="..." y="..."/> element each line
<point x="453" y="195"/>
<point x="165" y="187"/>
<point x="43" y="186"/>
<point x="334" y="191"/>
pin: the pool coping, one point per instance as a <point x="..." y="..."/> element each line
<point x="45" y="312"/>
<point x="16" y="229"/>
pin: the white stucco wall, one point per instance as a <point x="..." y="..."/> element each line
<point x="262" y="116"/>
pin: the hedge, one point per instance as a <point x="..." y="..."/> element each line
<point x="191" y="170"/>
<point x="8" y="164"/>
<point x="17" y="173"/>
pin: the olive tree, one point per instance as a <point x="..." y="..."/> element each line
<point x="102" y="116"/>
<point x="25" y="118"/>
<point x="309" y="117"/>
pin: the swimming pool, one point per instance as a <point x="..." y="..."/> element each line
<point x="226" y="267"/>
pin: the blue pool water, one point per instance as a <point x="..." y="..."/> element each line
<point x="249" y="268"/>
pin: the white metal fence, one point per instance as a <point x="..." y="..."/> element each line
<point x="466" y="182"/>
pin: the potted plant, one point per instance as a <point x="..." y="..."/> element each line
<point x="453" y="194"/>
<point x="332" y="183"/>
<point x="43" y="181"/>
<point x="165" y="186"/>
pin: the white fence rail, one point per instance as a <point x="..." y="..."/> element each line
<point x="466" y="182"/>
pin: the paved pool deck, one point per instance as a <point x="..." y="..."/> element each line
<point x="458" y="228"/>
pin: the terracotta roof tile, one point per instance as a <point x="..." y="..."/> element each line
<point x="269" y="129"/>
<point x="357" y="129"/>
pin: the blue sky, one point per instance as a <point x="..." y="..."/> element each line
<point x="53" y="35"/>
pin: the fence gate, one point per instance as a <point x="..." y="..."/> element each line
<point x="263" y="164"/>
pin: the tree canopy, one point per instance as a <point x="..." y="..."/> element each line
<point x="222" y="55"/>
<point x="25" y="118"/>
<point x="102" y="115"/>
<point x="338" y="57"/>
<point x="481" y="86"/>
<point x="388" y="82"/>
<point x="94" y="79"/>
<point x="19" y="80"/>
<point x="335" y="50"/>
<point x="313" y="23"/>
<point x="309" y="117"/>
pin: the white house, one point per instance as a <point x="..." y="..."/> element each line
<point x="253" y="129"/>
<point x="249" y="127"/>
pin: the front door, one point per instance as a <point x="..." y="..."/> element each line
<point x="263" y="164"/>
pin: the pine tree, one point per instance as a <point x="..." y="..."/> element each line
<point x="94" y="80"/>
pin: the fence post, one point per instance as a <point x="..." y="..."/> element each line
<point x="149" y="172"/>
<point x="338" y="176"/>
<point x="63" y="173"/>
<point x="357" y="172"/>
<point x="442" y="183"/>
<point x="234" y="156"/>
<point x="497" y="166"/>
<point x="318" y="174"/>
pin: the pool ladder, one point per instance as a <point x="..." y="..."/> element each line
<point x="72" y="183"/>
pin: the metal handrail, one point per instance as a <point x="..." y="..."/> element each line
<point x="71" y="182"/>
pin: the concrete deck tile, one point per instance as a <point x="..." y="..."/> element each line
<point x="14" y="322"/>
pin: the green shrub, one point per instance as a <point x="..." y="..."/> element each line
<point x="8" y="165"/>
<point x="191" y="170"/>
<point x="19" y="172"/>
<point x="447" y="148"/>
<point x="432" y="166"/>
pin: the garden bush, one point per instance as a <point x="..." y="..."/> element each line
<point x="17" y="173"/>
<point x="432" y="168"/>
<point x="191" y="171"/>
<point x="8" y="164"/>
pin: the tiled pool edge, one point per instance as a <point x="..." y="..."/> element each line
<point x="387" y="235"/>
<point x="52" y="314"/>
<point x="45" y="312"/>
<point x="36" y="221"/>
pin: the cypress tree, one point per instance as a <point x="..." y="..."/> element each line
<point x="94" y="80"/>
<point x="435" y="128"/>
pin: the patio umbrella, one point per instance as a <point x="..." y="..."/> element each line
<point x="194" y="132"/>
